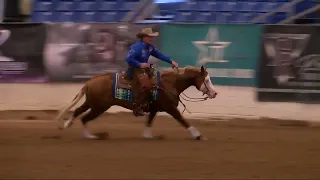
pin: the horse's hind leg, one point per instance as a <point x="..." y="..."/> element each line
<point x="175" y="113"/>
<point x="78" y="111"/>
<point x="93" y="114"/>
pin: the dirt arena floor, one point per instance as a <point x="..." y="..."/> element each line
<point x="33" y="147"/>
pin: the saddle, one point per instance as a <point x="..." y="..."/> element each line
<point x="123" y="85"/>
<point x="124" y="81"/>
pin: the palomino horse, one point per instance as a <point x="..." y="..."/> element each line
<point x="111" y="89"/>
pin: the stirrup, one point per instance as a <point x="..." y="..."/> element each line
<point x="138" y="111"/>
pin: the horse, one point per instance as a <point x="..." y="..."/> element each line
<point x="109" y="89"/>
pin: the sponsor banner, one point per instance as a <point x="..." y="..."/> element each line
<point x="229" y="52"/>
<point x="289" y="69"/>
<point x="21" y="57"/>
<point x="75" y="52"/>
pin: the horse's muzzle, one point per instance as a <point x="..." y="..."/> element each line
<point x="212" y="95"/>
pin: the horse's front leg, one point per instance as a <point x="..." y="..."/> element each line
<point x="175" y="113"/>
<point x="147" y="133"/>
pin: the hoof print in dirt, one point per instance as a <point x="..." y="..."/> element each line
<point x="30" y="118"/>
<point x="160" y="137"/>
<point x="102" y="136"/>
<point x="51" y="137"/>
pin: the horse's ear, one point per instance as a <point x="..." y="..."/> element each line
<point x="203" y="70"/>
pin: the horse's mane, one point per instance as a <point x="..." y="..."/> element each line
<point x="181" y="71"/>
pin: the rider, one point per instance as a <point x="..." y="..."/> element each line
<point x="137" y="60"/>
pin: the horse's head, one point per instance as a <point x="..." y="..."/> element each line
<point x="201" y="80"/>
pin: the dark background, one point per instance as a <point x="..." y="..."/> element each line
<point x="25" y="44"/>
<point x="74" y="51"/>
<point x="265" y="73"/>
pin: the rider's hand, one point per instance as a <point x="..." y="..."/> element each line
<point x="144" y="65"/>
<point x="174" y="64"/>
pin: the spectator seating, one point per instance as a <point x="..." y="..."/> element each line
<point x="228" y="11"/>
<point x="81" y="10"/>
<point x="189" y="11"/>
<point x="231" y="11"/>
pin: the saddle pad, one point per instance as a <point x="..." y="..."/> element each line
<point x="125" y="93"/>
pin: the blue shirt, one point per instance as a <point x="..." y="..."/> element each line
<point x="139" y="53"/>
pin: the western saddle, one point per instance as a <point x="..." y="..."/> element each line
<point x="124" y="82"/>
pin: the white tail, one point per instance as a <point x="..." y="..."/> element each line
<point x="75" y="100"/>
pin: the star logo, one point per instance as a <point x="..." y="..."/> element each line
<point x="211" y="48"/>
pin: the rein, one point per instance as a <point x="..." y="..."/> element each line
<point x="190" y="99"/>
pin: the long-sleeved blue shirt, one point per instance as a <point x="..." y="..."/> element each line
<point x="139" y="53"/>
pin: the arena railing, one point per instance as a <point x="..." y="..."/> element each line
<point x="283" y="7"/>
<point x="147" y="11"/>
<point x="130" y="15"/>
<point x="301" y="14"/>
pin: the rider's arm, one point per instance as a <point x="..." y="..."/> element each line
<point x="157" y="54"/>
<point x="132" y="54"/>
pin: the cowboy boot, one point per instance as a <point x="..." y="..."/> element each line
<point x="139" y="104"/>
<point x="142" y="87"/>
<point x="138" y="100"/>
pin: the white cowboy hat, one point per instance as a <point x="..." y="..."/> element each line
<point x="147" y="32"/>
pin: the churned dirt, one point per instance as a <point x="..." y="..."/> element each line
<point x="33" y="147"/>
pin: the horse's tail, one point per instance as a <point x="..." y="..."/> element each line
<point x="75" y="100"/>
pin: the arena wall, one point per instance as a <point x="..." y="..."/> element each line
<point x="234" y="102"/>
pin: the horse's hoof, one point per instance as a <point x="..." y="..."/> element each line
<point x="92" y="137"/>
<point x="201" y="138"/>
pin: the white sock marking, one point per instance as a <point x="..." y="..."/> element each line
<point x="194" y="132"/>
<point x="147" y="133"/>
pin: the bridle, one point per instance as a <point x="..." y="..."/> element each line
<point x="192" y="98"/>
<point x="186" y="98"/>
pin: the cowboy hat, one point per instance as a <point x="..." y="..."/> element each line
<point x="147" y="32"/>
